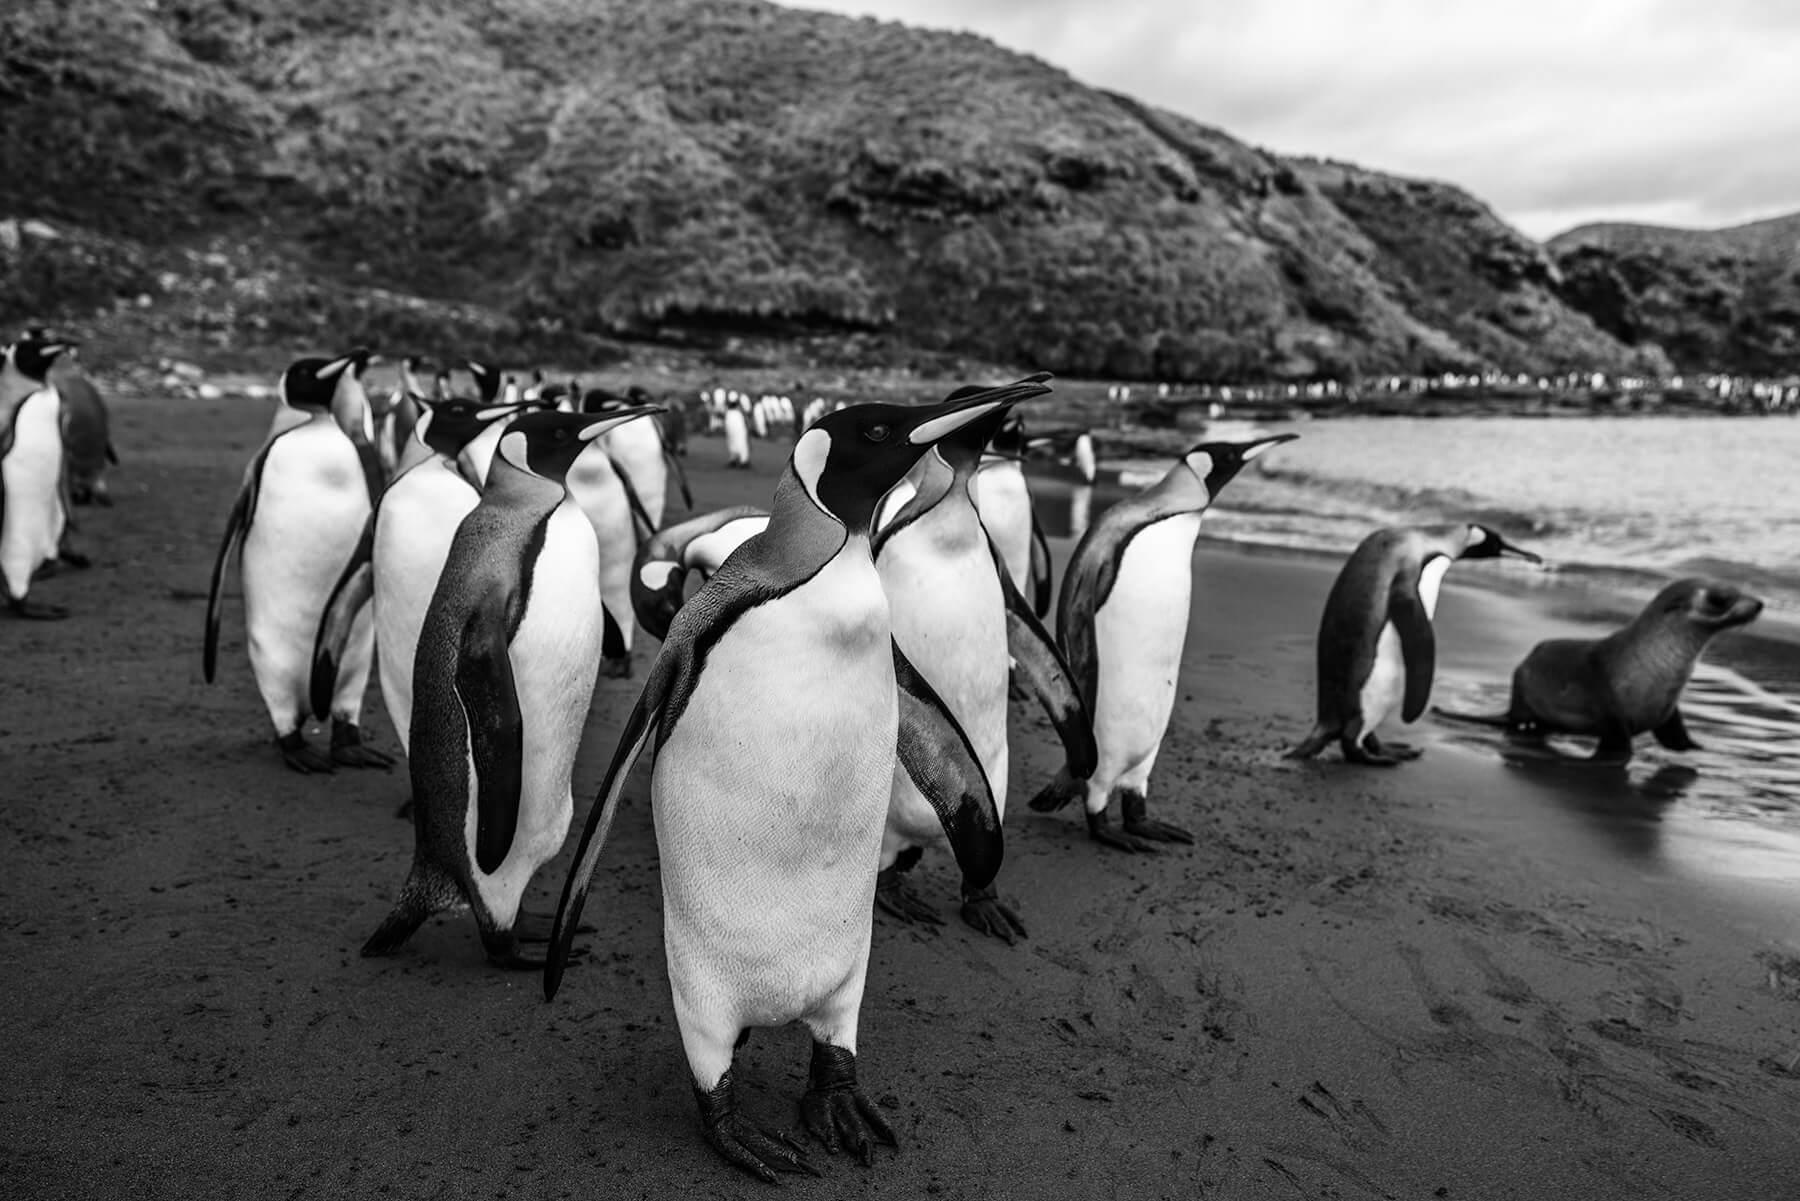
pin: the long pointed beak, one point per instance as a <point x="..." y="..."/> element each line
<point x="1251" y="450"/>
<point x="1519" y="552"/>
<point x="613" y="420"/>
<point x="941" y="420"/>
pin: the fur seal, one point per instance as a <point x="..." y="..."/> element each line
<point x="1629" y="682"/>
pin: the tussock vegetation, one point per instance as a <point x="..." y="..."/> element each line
<point x="687" y="170"/>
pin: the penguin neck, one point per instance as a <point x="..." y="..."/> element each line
<point x="801" y="538"/>
<point x="1179" y="491"/>
<point x="15" y="386"/>
<point x="519" y="487"/>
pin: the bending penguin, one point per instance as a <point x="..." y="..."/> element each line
<point x="774" y="714"/>
<point x="34" y="516"/>
<point x="700" y="544"/>
<point x="400" y="556"/>
<point x="962" y="623"/>
<point x="295" y="523"/>
<point x="1377" y="649"/>
<point x="502" y="681"/>
<point x="1123" y="621"/>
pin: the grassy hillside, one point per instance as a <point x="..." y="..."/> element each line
<point x="691" y="170"/>
<point x="1710" y="298"/>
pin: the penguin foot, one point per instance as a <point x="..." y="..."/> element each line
<point x="348" y="750"/>
<point x="32" y="610"/>
<point x="742" y="1143"/>
<point x="616" y="669"/>
<point x="1366" y="757"/>
<point x="70" y="557"/>
<point x="983" y="909"/>
<point x="1400" y="751"/>
<point x="837" y="1112"/>
<point x="894" y="898"/>
<point x="302" y="758"/>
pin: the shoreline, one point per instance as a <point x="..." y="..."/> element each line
<point x="1459" y="978"/>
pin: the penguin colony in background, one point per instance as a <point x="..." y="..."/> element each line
<point x="488" y="556"/>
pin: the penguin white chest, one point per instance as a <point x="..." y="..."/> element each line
<point x="770" y="796"/>
<point x="1140" y="631"/>
<point x="32" y="527"/>
<point x="1385" y="689"/>
<point x="1005" y="505"/>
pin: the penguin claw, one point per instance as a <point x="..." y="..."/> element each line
<point x="988" y="914"/>
<point x="894" y="898"/>
<point x="836" y="1110"/>
<point x="348" y="749"/>
<point x="741" y="1142"/>
<point x="1158" y="831"/>
<point x="302" y="758"/>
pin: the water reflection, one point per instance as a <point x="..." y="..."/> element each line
<point x="1625" y="806"/>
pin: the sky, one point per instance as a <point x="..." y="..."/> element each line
<point x="1554" y="112"/>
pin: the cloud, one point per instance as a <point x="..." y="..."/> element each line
<point x="1552" y="111"/>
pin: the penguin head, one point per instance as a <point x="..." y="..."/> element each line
<point x="313" y="383"/>
<point x="547" y="443"/>
<point x="603" y="400"/>
<point x="1009" y="439"/>
<point x="1216" y="464"/>
<point x="1481" y="542"/>
<point x="33" y="354"/>
<point x="962" y="449"/>
<point x="850" y="458"/>
<point x="453" y="424"/>
<point x="487" y="379"/>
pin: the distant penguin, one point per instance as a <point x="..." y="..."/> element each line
<point x="1083" y="454"/>
<point x="502" y="682"/>
<point x="699" y="546"/>
<point x="737" y="437"/>
<point x="960" y="620"/>
<point x="297" y="520"/>
<point x="1377" y="652"/>
<point x="479" y="453"/>
<point x="774" y="715"/>
<point x="1123" y="620"/>
<point x="400" y="556"/>
<point x="398" y="416"/>
<point x="617" y="512"/>
<point x="33" y="514"/>
<point x="1630" y="682"/>
<point x="87" y="434"/>
<point x="1006" y="511"/>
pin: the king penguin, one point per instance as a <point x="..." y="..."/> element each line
<point x="737" y="434"/>
<point x="699" y="545"/>
<point x="400" y="556"/>
<point x="774" y="714"/>
<point x="961" y="621"/>
<point x="297" y="519"/>
<point x="33" y="511"/>
<point x="1007" y="513"/>
<point x="640" y="455"/>
<point x="394" y="424"/>
<point x="617" y="512"/>
<point x="1377" y="650"/>
<point x="1123" y="621"/>
<point x="505" y="670"/>
<point x="479" y="454"/>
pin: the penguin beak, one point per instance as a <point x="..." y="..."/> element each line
<point x="1517" y="552"/>
<point x="1252" y="449"/>
<point x="942" y="420"/>
<point x="614" y="419"/>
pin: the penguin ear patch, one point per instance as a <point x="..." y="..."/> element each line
<point x="516" y="449"/>
<point x="810" y="454"/>
<point x="1201" y="464"/>
<point x="656" y="574"/>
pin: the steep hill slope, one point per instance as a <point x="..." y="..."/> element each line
<point x="1710" y="298"/>
<point x="691" y="168"/>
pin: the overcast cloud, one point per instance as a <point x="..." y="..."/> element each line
<point x="1555" y="112"/>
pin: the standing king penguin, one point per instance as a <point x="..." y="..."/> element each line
<point x="775" y="712"/>
<point x="297" y="519"/>
<point x="1007" y="512"/>
<point x="610" y="499"/>
<point x="1123" y="620"/>
<point x="504" y="674"/>
<point x="400" y="556"/>
<point x="33" y="515"/>
<point x="1377" y="649"/>
<point x="961" y="621"/>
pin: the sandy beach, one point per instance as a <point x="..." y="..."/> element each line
<point x="1464" y="978"/>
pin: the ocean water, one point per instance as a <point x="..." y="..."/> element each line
<point x="1636" y="501"/>
<point x="1616" y="507"/>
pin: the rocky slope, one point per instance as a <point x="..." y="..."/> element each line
<point x="1711" y="299"/>
<point x="539" y="170"/>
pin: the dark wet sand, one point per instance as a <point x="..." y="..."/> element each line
<point x="1457" y="979"/>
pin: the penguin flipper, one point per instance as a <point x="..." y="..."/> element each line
<point x="1040" y="568"/>
<point x="1051" y="678"/>
<point x="632" y="740"/>
<point x="943" y="766"/>
<point x="1418" y="643"/>
<point x="237" y="526"/>
<point x="355" y="586"/>
<point x="640" y="514"/>
<point x="490" y="701"/>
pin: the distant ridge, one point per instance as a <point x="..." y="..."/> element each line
<point x="694" y="170"/>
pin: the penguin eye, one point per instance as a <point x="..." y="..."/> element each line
<point x="877" y="433"/>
